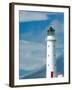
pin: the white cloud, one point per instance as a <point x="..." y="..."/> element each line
<point x="57" y="25"/>
<point x="59" y="49"/>
<point x="26" y="16"/>
<point x="32" y="55"/>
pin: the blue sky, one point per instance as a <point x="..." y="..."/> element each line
<point x="33" y="28"/>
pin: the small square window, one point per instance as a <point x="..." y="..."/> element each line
<point x="54" y="55"/>
<point x="48" y="64"/>
<point x="55" y="64"/>
<point x="48" y="45"/>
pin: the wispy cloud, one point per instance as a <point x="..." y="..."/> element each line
<point x="26" y="16"/>
<point x="32" y="55"/>
<point x="57" y="25"/>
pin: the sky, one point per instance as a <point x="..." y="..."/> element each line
<point x="33" y="28"/>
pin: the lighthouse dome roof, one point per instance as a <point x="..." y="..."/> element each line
<point x="51" y="31"/>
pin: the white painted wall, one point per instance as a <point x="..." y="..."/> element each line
<point x="4" y="44"/>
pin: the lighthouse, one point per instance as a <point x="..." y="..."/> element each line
<point x="51" y="54"/>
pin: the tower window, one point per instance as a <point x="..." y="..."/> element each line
<point x="53" y="45"/>
<point x="55" y="64"/>
<point x="48" y="64"/>
<point x="48" y="45"/>
<point x="54" y="54"/>
<point x="48" y="55"/>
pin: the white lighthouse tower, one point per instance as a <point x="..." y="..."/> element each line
<point x="51" y="56"/>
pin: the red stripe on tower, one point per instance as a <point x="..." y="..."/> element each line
<point x="52" y="75"/>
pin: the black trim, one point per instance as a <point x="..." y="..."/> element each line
<point x="11" y="45"/>
<point x="43" y="5"/>
<point x="69" y="45"/>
